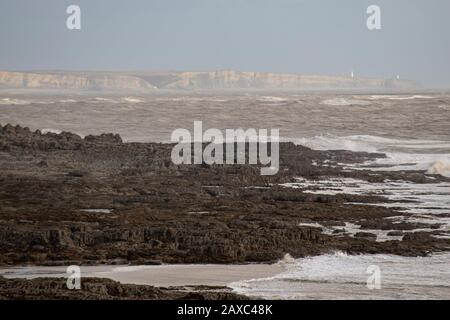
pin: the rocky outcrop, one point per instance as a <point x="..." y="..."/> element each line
<point x="66" y="199"/>
<point x="105" y="289"/>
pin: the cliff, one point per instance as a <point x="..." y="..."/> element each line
<point x="72" y="81"/>
<point x="208" y="80"/>
<point x="263" y="80"/>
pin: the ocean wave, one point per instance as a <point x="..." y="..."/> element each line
<point x="68" y="101"/>
<point x="411" y="197"/>
<point x="23" y="102"/>
<point x="345" y="102"/>
<point x="51" y="130"/>
<point x="399" y="97"/>
<point x="272" y="99"/>
<point x="9" y="101"/>
<point x="132" y="100"/>
<point x="429" y="162"/>
<point x="117" y="100"/>
<point x="332" y="142"/>
<point x="104" y="100"/>
<point x="441" y="167"/>
<point x="342" y="276"/>
<point x="401" y="154"/>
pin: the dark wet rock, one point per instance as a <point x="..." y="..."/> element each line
<point x="388" y="224"/>
<point x="366" y="235"/>
<point x="412" y="236"/>
<point x="104" y="138"/>
<point x="77" y="173"/>
<point x="395" y="233"/>
<point x="333" y="223"/>
<point x="105" y="289"/>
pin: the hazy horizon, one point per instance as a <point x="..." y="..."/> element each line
<point x="289" y="36"/>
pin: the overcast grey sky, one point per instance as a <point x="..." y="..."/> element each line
<point x="296" y="36"/>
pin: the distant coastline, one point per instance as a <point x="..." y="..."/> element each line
<point x="151" y="81"/>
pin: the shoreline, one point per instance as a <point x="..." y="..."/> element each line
<point x="159" y="275"/>
<point x="330" y="276"/>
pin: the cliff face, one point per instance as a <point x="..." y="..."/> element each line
<point x="192" y="80"/>
<point x="72" y="81"/>
<point x="263" y="80"/>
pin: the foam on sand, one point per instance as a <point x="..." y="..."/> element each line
<point x="342" y="276"/>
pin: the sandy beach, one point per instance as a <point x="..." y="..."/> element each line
<point x="161" y="275"/>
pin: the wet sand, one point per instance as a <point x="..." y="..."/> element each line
<point x="161" y="275"/>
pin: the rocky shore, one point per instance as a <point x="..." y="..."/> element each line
<point x="105" y="289"/>
<point x="71" y="200"/>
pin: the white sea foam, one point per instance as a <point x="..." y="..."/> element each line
<point x="351" y="229"/>
<point x="431" y="200"/>
<point x="132" y="100"/>
<point x="432" y="156"/>
<point x="417" y="195"/>
<point x="272" y="99"/>
<point x="399" y="97"/>
<point x="342" y="276"/>
<point x="51" y="130"/>
<point x="9" y="101"/>
<point x="24" y="102"/>
<point x="370" y="143"/>
<point x="104" y="100"/>
<point x="68" y="101"/>
<point x="96" y="210"/>
<point x="429" y="203"/>
<point x="331" y="142"/>
<point x="441" y="167"/>
<point x="345" y="102"/>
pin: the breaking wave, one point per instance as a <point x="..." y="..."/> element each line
<point x="441" y="167"/>
<point x="132" y="100"/>
<point x="342" y="276"/>
<point x="345" y="102"/>
<point x="398" y="97"/>
<point x="8" y="101"/>
<point x="272" y="99"/>
<point x="50" y="130"/>
<point x="432" y="156"/>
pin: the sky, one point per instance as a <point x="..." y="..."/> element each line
<point x="289" y="36"/>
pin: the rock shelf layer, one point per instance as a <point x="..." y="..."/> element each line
<point x="65" y="199"/>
